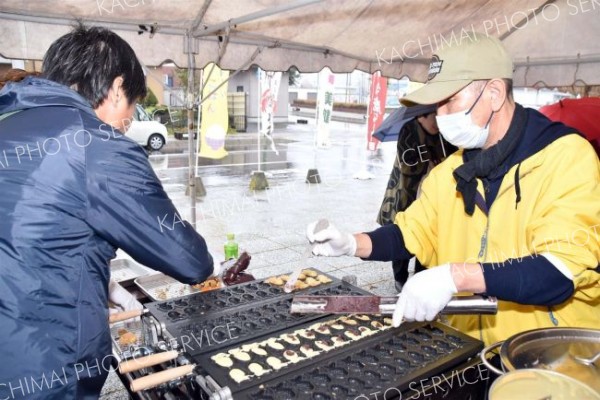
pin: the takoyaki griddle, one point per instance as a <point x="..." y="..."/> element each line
<point x="241" y="324"/>
<point x="387" y="362"/>
<point x="224" y="300"/>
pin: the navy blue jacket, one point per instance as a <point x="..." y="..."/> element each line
<point x="73" y="190"/>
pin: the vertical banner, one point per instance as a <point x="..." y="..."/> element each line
<point x="324" y="107"/>
<point x="269" y="90"/>
<point x="377" y="98"/>
<point x="215" y="118"/>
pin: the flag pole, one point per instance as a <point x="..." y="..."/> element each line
<point x="258" y="121"/>
<point x="258" y="181"/>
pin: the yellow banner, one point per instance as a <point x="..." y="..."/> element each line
<point x="215" y="120"/>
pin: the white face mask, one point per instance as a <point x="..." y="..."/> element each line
<point x="460" y="130"/>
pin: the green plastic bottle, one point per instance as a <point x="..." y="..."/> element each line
<point x="231" y="247"/>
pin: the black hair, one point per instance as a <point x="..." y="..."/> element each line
<point x="89" y="60"/>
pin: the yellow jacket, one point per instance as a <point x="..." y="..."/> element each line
<point x="559" y="213"/>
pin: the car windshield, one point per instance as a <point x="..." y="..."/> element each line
<point x="140" y="114"/>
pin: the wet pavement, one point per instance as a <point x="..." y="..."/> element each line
<point x="270" y="224"/>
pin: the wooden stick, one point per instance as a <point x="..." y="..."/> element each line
<point x="148" y="361"/>
<point x="158" y="378"/>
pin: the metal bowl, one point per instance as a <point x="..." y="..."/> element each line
<point x="537" y="384"/>
<point x="555" y="349"/>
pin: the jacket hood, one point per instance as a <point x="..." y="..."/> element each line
<point x="34" y="92"/>
<point x="540" y="132"/>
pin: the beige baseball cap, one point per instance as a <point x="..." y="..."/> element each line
<point x="468" y="58"/>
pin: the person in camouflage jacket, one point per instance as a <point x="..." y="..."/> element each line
<point x="420" y="148"/>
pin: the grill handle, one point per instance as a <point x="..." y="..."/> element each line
<point x="148" y="361"/>
<point x="125" y="315"/>
<point x="150" y="381"/>
<point x="458" y="305"/>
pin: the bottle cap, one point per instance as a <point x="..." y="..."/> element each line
<point x="230" y="236"/>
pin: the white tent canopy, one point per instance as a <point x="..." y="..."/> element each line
<point x="552" y="42"/>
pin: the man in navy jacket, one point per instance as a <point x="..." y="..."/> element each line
<point x="74" y="189"/>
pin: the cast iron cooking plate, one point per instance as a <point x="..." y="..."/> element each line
<point x="392" y="358"/>
<point x="224" y="329"/>
<point x="223" y="299"/>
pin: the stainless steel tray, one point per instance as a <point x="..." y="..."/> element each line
<point x="124" y="269"/>
<point x="159" y="287"/>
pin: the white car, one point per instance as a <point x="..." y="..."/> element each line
<point x="145" y="131"/>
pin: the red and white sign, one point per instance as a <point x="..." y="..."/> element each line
<point x="377" y="99"/>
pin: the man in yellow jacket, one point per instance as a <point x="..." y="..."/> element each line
<point x="515" y="213"/>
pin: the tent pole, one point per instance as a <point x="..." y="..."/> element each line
<point x="258" y="120"/>
<point x="190" y="118"/>
<point x="258" y="180"/>
<point x="208" y="30"/>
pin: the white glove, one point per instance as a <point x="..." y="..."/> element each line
<point x="330" y="242"/>
<point x="425" y="295"/>
<point x="122" y="298"/>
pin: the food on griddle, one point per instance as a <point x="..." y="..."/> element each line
<point x="291" y="339"/>
<point x="312" y="282"/>
<point x="323" y="344"/>
<point x="308" y="351"/>
<point x="274" y="280"/>
<point x="238" y="375"/>
<point x="352" y="334"/>
<point x="298" y="346"/>
<point x="222" y="360"/>
<point x="377" y="325"/>
<point x="338" y="341"/>
<point x="310" y="273"/>
<point x="127" y="338"/>
<point x="259" y="351"/>
<point x="291" y="355"/>
<point x="324" y="329"/>
<point x="337" y="326"/>
<point x="272" y="343"/>
<point x="365" y="331"/>
<point x="347" y="321"/>
<point x="307" y="334"/>
<point x="240" y="355"/>
<point x="388" y="321"/>
<point x="256" y="369"/>
<point x="300" y="285"/>
<point x="307" y="278"/>
<point x="274" y="363"/>
<point x="247" y="347"/>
